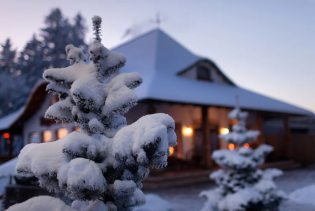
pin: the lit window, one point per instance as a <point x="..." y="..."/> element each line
<point x="55" y="99"/>
<point x="76" y="129"/>
<point x="46" y="136"/>
<point x="246" y="145"/>
<point x="33" y="137"/>
<point x="62" y="132"/>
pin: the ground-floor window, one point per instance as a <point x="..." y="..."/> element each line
<point x="10" y="144"/>
<point x="17" y="144"/>
<point x="34" y="137"/>
<point x="5" y="141"/>
<point x="62" y="132"/>
<point x="47" y="136"/>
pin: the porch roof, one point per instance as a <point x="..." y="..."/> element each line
<point x="7" y="121"/>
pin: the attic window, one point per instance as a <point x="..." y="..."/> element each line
<point x="203" y="73"/>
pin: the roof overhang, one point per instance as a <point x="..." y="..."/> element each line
<point x="32" y="104"/>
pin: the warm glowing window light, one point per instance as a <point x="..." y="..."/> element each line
<point x="246" y="145"/>
<point x="231" y="146"/>
<point x="76" y="129"/>
<point x="62" y="132"/>
<point x="171" y="150"/>
<point x="46" y="136"/>
<point x="187" y="131"/>
<point x="6" y="135"/>
<point x="224" y="131"/>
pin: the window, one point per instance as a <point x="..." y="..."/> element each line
<point x="47" y="136"/>
<point x="76" y="129"/>
<point x="55" y="99"/>
<point x="4" y="143"/>
<point x="62" y="132"/>
<point x="33" y="137"/>
<point x="203" y="73"/>
<point x="17" y="144"/>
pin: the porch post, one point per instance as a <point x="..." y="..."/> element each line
<point x="206" y="137"/>
<point x="287" y="148"/>
<point x="259" y="126"/>
<point x="10" y="144"/>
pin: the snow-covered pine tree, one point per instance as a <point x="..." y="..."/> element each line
<point x="241" y="185"/>
<point x="103" y="166"/>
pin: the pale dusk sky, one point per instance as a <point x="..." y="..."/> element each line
<point x="267" y="46"/>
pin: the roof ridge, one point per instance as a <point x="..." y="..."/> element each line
<point x="135" y="39"/>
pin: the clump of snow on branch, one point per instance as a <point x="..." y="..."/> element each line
<point x="103" y="166"/>
<point x="42" y="203"/>
<point x="241" y="185"/>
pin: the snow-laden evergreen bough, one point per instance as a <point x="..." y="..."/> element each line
<point x="241" y="185"/>
<point x="103" y="166"/>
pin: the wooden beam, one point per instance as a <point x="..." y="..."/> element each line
<point x="206" y="137"/>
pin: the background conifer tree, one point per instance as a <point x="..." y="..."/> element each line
<point x="241" y="185"/>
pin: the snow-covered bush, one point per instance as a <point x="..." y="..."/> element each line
<point x="241" y="185"/>
<point x="103" y="166"/>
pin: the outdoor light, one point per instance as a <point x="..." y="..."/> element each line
<point x="6" y="135"/>
<point x="171" y="150"/>
<point x="246" y="145"/>
<point x="231" y="146"/>
<point x="187" y="130"/>
<point x="224" y="131"/>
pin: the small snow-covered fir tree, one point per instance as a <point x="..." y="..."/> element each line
<point x="241" y="185"/>
<point x="102" y="166"/>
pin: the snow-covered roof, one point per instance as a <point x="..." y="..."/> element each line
<point x="7" y="121"/>
<point x="159" y="58"/>
<point x="8" y="168"/>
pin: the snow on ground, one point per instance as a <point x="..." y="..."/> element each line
<point x="155" y="203"/>
<point x="299" y="184"/>
<point x="186" y="198"/>
<point x="302" y="195"/>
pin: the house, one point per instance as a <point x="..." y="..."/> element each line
<point x="190" y="88"/>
